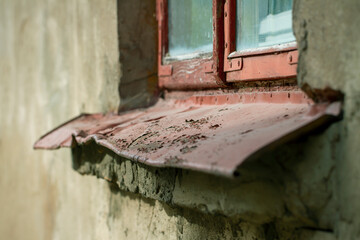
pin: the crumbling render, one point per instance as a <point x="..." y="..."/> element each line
<point x="267" y="190"/>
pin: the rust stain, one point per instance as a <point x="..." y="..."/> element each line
<point x="187" y="149"/>
<point x="197" y="123"/>
<point x="247" y="131"/>
<point x="215" y="126"/>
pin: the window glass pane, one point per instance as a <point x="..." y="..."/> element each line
<point x="190" y="26"/>
<point x="261" y="23"/>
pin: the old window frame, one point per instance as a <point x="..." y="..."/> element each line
<point x="196" y="73"/>
<point x="266" y="63"/>
<point x="226" y="64"/>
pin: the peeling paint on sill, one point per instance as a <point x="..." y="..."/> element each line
<point x="181" y="133"/>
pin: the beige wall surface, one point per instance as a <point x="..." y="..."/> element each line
<point x="57" y="60"/>
<point x="329" y="40"/>
<point x="61" y="58"/>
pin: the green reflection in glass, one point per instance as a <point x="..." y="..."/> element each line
<point x="262" y="23"/>
<point x="190" y="26"/>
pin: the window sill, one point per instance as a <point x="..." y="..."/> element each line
<point x="213" y="132"/>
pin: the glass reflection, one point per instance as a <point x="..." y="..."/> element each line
<point x="262" y="23"/>
<point x="190" y="26"/>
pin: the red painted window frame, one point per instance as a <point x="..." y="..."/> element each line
<point x="193" y="73"/>
<point x="226" y="65"/>
<point x="263" y="64"/>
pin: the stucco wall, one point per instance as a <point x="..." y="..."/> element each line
<point x="329" y="39"/>
<point x="61" y="58"/>
<point x="57" y="59"/>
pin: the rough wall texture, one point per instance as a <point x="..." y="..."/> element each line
<point x="137" y="28"/>
<point x="329" y="39"/>
<point x="61" y="58"/>
<point x="276" y="188"/>
<point x="57" y="59"/>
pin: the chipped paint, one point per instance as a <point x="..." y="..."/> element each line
<point x="197" y="134"/>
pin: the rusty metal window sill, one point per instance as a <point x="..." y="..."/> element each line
<point x="209" y="133"/>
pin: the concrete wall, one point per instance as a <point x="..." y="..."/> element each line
<point x="57" y="59"/>
<point x="329" y="39"/>
<point x="61" y="58"/>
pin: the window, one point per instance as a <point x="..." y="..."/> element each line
<point x="190" y="28"/>
<point x="259" y="44"/>
<point x="207" y="44"/>
<point x="263" y="23"/>
<point x="190" y="47"/>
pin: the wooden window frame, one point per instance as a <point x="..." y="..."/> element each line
<point x="226" y="65"/>
<point x="196" y="73"/>
<point x="267" y="63"/>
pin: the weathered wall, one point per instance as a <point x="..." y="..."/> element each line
<point x="329" y="39"/>
<point x="57" y="59"/>
<point x="61" y="58"/>
<point x="137" y="28"/>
